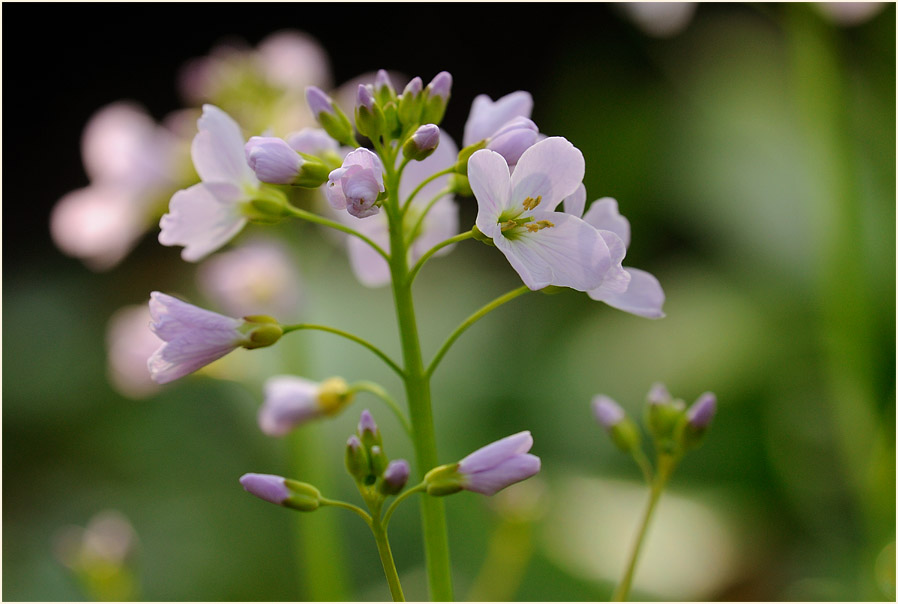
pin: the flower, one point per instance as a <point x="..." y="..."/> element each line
<point x="498" y="465"/>
<point x="291" y="401"/>
<point x="133" y="165"/>
<point x="207" y="215"/>
<point x="440" y="223"/>
<point x="194" y="337"/>
<point x="258" y="277"/>
<point x="354" y="187"/>
<point x="129" y="343"/>
<point x="642" y="294"/>
<point x="516" y="211"/>
<point x="282" y="491"/>
<point x="488" y="116"/>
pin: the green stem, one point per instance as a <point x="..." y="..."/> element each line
<point x="414" y="272"/>
<point x="386" y="558"/>
<point x="644" y="464"/>
<point x="470" y="321"/>
<point x="348" y="506"/>
<point x="389" y="513"/>
<point x="417" y="389"/>
<point x="665" y="467"/>
<point x="310" y="217"/>
<point x="386" y="359"/>
<point x="376" y="390"/>
<point x="424" y="183"/>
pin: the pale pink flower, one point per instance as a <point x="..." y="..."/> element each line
<point x="517" y="212"/>
<point x="505" y="125"/>
<point x="129" y="343"/>
<point x="258" y="277"/>
<point x="207" y="215"/>
<point x="490" y="469"/>
<point x="355" y="185"/>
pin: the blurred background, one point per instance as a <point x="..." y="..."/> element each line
<point x="751" y="146"/>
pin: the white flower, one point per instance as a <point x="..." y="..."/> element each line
<point x="207" y="215"/>
<point x="517" y="212"/>
<point x="643" y="295"/>
<point x="440" y="223"/>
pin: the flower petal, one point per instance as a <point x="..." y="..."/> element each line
<point x="217" y="149"/>
<point x="616" y="278"/>
<point x="486" y="116"/>
<point x="552" y="169"/>
<point x="491" y="184"/>
<point x="569" y="254"/>
<point x="574" y="203"/>
<point x="512" y="470"/>
<point x="369" y="267"/>
<point x="604" y="214"/>
<point x="202" y="219"/>
<point x="644" y="295"/>
<point x="495" y="453"/>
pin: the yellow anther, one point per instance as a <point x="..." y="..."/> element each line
<point x="538" y="226"/>
<point x="507" y="225"/>
<point x="531" y="203"/>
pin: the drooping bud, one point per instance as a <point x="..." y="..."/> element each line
<point x="437" y="98"/>
<point x="623" y="431"/>
<point x="443" y="480"/>
<point x="395" y="477"/>
<point x="275" y="161"/>
<point x="422" y="143"/>
<point x="369" y="117"/>
<point x="698" y="419"/>
<point x="411" y="103"/>
<point x="356" y="458"/>
<point x="329" y="115"/>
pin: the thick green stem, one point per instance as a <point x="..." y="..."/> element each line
<point x="665" y="466"/>
<point x="417" y="389"/>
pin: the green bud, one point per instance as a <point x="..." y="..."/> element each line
<point x="379" y="460"/>
<point x="338" y="126"/>
<point x="662" y="421"/>
<point x="304" y="497"/>
<point x="479" y="236"/>
<point x="356" y="459"/>
<point x="461" y="166"/>
<point x="443" y="480"/>
<point x="411" y="103"/>
<point x="261" y="331"/>
<point x="625" y="435"/>
<point x="391" y="119"/>
<point x="369" y="117"/>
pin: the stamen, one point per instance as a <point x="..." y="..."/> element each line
<point x="531" y="203"/>
<point x="538" y="226"/>
<point x="507" y="225"/>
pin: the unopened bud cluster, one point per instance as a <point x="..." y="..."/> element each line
<point x="376" y="476"/>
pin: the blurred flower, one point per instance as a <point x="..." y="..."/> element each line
<point x="134" y="164"/>
<point x="354" y="187"/>
<point x="848" y="14"/>
<point x="291" y="401"/>
<point x="545" y="247"/>
<point x="257" y="277"/>
<point x="702" y="411"/>
<point x="194" y="337"/>
<point x="643" y="294"/>
<point x="660" y="19"/>
<point x="101" y="556"/>
<point x="207" y="215"/>
<point x="129" y="343"/>
<point x="440" y="223"/>
<point x="263" y="88"/>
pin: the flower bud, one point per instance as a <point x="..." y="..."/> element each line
<point x="268" y="205"/>
<point x="281" y="491"/>
<point x="395" y="477"/>
<point x="658" y="395"/>
<point x="512" y="139"/>
<point x="262" y="331"/>
<point x="437" y="97"/>
<point x="378" y="460"/>
<point x="333" y="395"/>
<point x="698" y="419"/>
<point x="461" y="166"/>
<point x="329" y="116"/>
<point x="422" y="143"/>
<point x="357" y="184"/>
<point x="369" y="117"/>
<point x="356" y="459"/>
<point x="383" y="87"/>
<point x="272" y="160"/>
<point x="624" y="433"/>
<point x="411" y="103"/>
